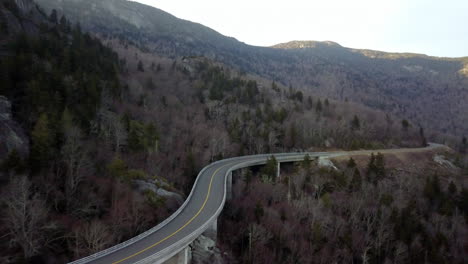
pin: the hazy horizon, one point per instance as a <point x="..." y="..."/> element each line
<point x="426" y="27"/>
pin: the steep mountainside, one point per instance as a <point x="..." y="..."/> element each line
<point x="51" y="195"/>
<point x="431" y="91"/>
<point x="148" y="26"/>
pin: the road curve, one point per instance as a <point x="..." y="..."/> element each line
<point x="202" y="207"/>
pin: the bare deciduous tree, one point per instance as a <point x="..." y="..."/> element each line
<point x="25" y="216"/>
<point x="91" y="237"/>
<point x="120" y="135"/>
<point x="76" y="161"/>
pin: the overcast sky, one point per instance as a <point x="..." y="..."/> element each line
<point x="433" y="27"/>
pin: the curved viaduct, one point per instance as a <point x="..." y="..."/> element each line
<point x="201" y="210"/>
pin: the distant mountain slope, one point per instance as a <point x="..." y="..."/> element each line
<point x="142" y="24"/>
<point x="432" y="91"/>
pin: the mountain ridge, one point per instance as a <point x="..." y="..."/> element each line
<point x="372" y="53"/>
<point x="136" y="7"/>
<point x="409" y="85"/>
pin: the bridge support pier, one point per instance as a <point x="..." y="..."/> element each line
<point x="183" y="257"/>
<point x="229" y="187"/>
<point x="212" y="230"/>
<point x="278" y="168"/>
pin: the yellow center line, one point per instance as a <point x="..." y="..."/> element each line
<point x="181" y="228"/>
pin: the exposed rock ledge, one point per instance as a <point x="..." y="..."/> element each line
<point x="440" y="159"/>
<point x="12" y="135"/>
<point x="326" y="163"/>
<point x="144" y="185"/>
<point x="204" y="251"/>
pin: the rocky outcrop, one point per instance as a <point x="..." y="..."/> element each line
<point x="12" y="135"/>
<point x="26" y="6"/>
<point x="11" y="21"/>
<point x="442" y="161"/>
<point x="204" y="251"/>
<point x="21" y="16"/>
<point x="326" y="163"/>
<point x="157" y="187"/>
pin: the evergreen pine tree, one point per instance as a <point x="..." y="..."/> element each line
<point x="355" y="123"/>
<point x="140" y="66"/>
<point x="13" y="163"/>
<point x="306" y="162"/>
<point x="356" y="181"/>
<point x="248" y="175"/>
<point x="3" y="26"/>
<point x="64" y="24"/>
<point x="432" y="190"/>
<point x="464" y="145"/>
<point x="293" y="134"/>
<point x="351" y="163"/>
<point x="42" y="140"/>
<point x="318" y="106"/>
<point x="259" y="212"/>
<point x="370" y="173"/>
<point x="380" y="166"/>
<point x="405" y="125"/>
<point x="452" y="189"/>
<point x="270" y="168"/>
<point x="309" y="102"/>
<point x="423" y="137"/>
<point x="53" y="17"/>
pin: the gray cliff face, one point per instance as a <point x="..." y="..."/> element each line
<point x="129" y="14"/>
<point x="12" y="135"/>
<point x="31" y="10"/>
<point x="118" y="8"/>
<point x="26" y="6"/>
<point x="11" y="21"/>
<point x="204" y="251"/>
<point x="148" y="26"/>
<point x="25" y="19"/>
<point x="174" y="200"/>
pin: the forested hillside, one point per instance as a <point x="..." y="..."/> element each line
<point x="378" y="208"/>
<point x="430" y="91"/>
<point x="59" y="201"/>
<point x="216" y="112"/>
<point x="113" y="135"/>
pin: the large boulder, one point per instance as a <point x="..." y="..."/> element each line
<point x="158" y="188"/>
<point x="24" y="19"/>
<point x="204" y="251"/>
<point x="326" y="163"/>
<point x="442" y="161"/>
